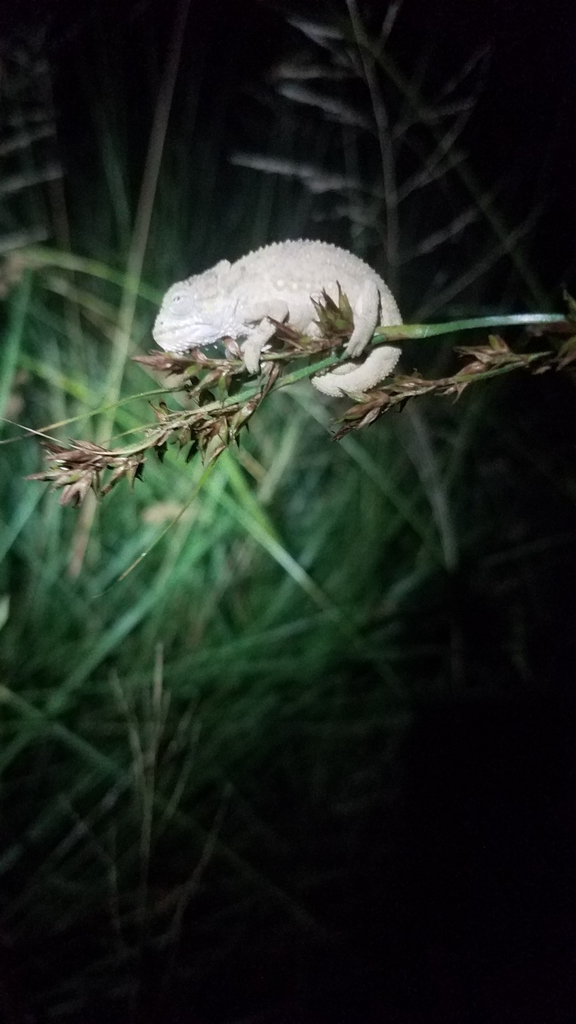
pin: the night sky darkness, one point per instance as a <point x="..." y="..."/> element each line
<point x="475" y="922"/>
<point x="522" y="129"/>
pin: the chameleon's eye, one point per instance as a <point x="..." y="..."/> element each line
<point x="180" y="303"/>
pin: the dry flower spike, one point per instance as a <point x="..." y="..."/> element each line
<point x="215" y="423"/>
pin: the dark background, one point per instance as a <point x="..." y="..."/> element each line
<point x="522" y="129"/>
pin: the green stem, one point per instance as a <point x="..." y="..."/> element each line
<point x="382" y="335"/>
<point x="421" y="331"/>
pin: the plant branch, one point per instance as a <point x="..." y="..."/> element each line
<point x="214" y="423"/>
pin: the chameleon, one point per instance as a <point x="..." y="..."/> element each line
<point x="278" y="282"/>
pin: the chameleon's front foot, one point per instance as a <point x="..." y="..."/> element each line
<point x="255" y="342"/>
<point x="251" y="354"/>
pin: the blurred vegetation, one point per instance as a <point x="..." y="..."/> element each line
<point x="207" y="751"/>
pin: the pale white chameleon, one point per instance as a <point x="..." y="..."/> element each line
<point x="235" y="300"/>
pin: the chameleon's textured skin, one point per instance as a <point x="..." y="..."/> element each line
<point x="235" y="299"/>
<point x="348" y="377"/>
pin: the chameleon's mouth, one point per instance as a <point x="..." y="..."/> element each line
<point x="181" y="333"/>
<point x="181" y="337"/>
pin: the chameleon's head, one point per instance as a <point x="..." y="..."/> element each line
<point x="195" y="312"/>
